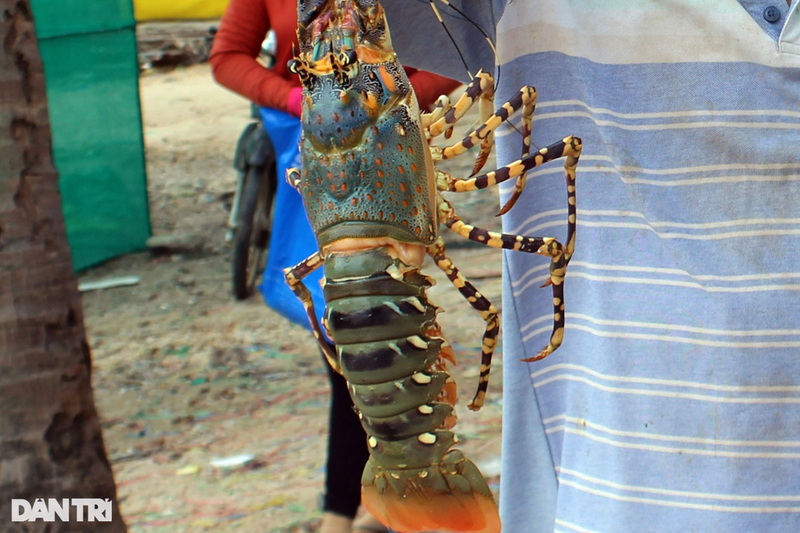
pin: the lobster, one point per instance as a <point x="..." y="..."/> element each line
<point x="372" y="194"/>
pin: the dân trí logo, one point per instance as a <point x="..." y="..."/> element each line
<point x="83" y="509"/>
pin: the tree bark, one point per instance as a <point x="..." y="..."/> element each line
<point x="50" y="440"/>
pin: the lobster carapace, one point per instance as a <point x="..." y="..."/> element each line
<point x="373" y="196"/>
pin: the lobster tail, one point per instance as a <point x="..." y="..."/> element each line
<point x="394" y="359"/>
<point x="450" y="494"/>
<point x="373" y="197"/>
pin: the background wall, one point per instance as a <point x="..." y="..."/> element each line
<point x="89" y="52"/>
<point x="178" y="9"/>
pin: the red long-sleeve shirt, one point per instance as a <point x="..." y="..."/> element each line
<point x="238" y="42"/>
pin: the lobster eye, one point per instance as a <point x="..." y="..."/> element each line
<point x="293" y="66"/>
<point x="348" y="57"/>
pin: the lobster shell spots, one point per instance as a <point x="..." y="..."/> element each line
<point x="364" y="176"/>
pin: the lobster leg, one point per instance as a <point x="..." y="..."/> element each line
<point x="482" y="85"/>
<point x="294" y="278"/>
<point x="546" y="246"/>
<point x="570" y="148"/>
<point x="483" y="306"/>
<point x="525" y="99"/>
<point x="440" y="109"/>
<point x="480" y="88"/>
<point x="293" y="177"/>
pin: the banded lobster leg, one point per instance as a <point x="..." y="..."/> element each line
<point x="525" y="99"/>
<point x="569" y="147"/>
<point x="294" y="278"/>
<point x="293" y="178"/>
<point x="445" y="115"/>
<point x="546" y="246"/>
<point x="483" y="306"/>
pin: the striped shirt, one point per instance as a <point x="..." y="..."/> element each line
<point x="674" y="403"/>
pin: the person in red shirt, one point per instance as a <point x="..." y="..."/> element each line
<point x="237" y="43"/>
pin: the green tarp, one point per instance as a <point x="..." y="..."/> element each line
<point x="89" y="52"/>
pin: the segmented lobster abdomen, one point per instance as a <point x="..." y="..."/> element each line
<point x="391" y="353"/>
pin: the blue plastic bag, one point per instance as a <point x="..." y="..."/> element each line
<point x="292" y="239"/>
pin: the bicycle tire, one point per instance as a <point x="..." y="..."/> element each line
<point x="248" y="252"/>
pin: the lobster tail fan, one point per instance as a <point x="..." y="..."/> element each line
<point x="411" y="493"/>
<point x="452" y="497"/>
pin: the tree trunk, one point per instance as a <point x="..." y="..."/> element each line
<point x="50" y="440"/>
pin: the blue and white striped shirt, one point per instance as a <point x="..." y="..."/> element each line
<point x="674" y="403"/>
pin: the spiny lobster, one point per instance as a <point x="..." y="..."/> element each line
<point x="373" y="197"/>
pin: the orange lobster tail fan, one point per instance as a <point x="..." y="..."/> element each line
<point x="427" y="510"/>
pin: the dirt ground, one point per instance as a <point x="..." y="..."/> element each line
<point x="183" y="375"/>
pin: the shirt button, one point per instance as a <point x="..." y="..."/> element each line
<point x="772" y="14"/>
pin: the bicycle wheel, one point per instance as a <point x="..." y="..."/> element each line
<point x="252" y="233"/>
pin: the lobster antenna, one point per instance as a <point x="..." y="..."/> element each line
<point x="488" y="40"/>
<point x="450" y="36"/>
<point x="476" y="26"/>
<point x="480" y="29"/>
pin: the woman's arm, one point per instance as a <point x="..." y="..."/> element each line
<point x="236" y="46"/>
<point x="238" y="42"/>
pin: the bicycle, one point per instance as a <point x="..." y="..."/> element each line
<point x="251" y="214"/>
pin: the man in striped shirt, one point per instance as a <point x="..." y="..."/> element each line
<point x="674" y="403"/>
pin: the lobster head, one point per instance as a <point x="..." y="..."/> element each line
<point x="335" y="35"/>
